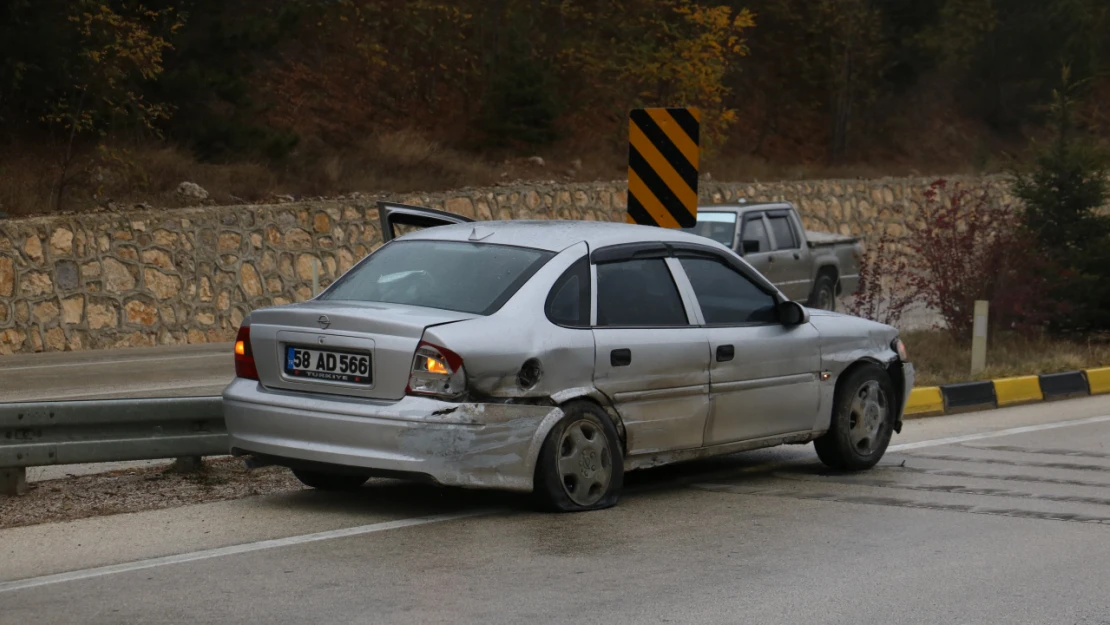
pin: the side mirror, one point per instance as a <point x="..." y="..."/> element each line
<point x="792" y="313"/>
<point x="749" y="246"/>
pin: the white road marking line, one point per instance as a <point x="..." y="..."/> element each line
<point x="100" y="571"/>
<point x="997" y="433"/>
<point x="59" y="365"/>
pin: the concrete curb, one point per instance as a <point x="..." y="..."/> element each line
<point x="932" y="401"/>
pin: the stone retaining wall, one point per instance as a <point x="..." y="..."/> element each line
<point x="101" y="280"/>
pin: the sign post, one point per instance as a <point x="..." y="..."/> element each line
<point x="663" y="154"/>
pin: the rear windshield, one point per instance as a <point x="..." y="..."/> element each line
<point x="721" y="227"/>
<point x="473" y="278"/>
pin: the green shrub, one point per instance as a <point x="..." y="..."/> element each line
<point x="1063" y="193"/>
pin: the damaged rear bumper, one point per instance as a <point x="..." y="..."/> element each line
<point x="479" y="445"/>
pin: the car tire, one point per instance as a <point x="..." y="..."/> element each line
<point x="581" y="463"/>
<point x="321" y="480"/>
<point x="823" y="296"/>
<point x="864" y="409"/>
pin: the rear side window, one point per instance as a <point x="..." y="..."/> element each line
<point x="473" y="278"/>
<point x="726" y="296"/>
<point x="754" y="230"/>
<point x="568" y="304"/>
<point x="784" y="232"/>
<point x="638" y="293"/>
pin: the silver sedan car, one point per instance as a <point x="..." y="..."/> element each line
<point x="551" y="357"/>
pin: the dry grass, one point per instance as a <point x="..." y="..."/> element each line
<point x="121" y="176"/>
<point x="753" y="168"/>
<point x="940" y="360"/>
<point x="125" y="175"/>
<point x="152" y="176"/>
<point x="401" y="161"/>
<point x="27" y="179"/>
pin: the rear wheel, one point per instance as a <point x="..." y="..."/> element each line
<point x="823" y="296"/>
<point x="862" y="421"/>
<point x="321" y="480"/>
<point x="581" y="466"/>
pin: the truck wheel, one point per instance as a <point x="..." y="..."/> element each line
<point x="823" y="296"/>
<point x="330" y="481"/>
<point x="862" y="421"/>
<point x="580" y="466"/>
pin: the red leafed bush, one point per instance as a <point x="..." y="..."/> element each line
<point x="960" y="248"/>
<point x="883" y="295"/>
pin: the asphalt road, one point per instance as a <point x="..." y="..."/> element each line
<point x="192" y="370"/>
<point x="994" y="517"/>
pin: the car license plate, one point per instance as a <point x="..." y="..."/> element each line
<point x="327" y="365"/>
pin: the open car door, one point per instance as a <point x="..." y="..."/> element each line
<point x="394" y="215"/>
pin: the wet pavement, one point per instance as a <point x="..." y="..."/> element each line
<point x="993" y="517"/>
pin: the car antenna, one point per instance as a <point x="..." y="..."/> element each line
<point x="478" y="236"/>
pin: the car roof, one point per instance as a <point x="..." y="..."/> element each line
<point x="556" y="235"/>
<point x="743" y="207"/>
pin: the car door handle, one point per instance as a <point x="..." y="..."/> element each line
<point x="725" y="353"/>
<point x="797" y="256"/>
<point x="620" y="357"/>
<point x="770" y="259"/>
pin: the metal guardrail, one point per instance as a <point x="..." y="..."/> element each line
<point x="38" y="434"/>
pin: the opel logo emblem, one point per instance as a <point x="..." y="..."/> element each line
<point x="324" y="321"/>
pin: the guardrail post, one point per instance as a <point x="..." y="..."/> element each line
<point x="13" y="481"/>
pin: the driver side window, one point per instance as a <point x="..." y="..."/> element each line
<point x="726" y="296"/>
<point x="755" y="230"/>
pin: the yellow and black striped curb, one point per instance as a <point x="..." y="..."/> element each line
<point x="952" y="398"/>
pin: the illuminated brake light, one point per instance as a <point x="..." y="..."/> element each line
<point x="437" y="372"/>
<point x="244" y="355"/>
<point x="430" y="364"/>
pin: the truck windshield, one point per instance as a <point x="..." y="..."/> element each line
<point x="721" y="227"/>
<point x="465" y="277"/>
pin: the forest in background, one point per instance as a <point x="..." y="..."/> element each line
<point x="108" y="102"/>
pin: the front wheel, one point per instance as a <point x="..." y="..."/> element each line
<point x="862" y="421"/>
<point x="580" y="466"/>
<point x="321" y="480"/>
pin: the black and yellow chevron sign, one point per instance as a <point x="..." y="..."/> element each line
<point x="663" y="167"/>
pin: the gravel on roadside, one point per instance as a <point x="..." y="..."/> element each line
<point x="138" y="489"/>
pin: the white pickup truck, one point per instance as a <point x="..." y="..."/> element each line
<point x="809" y="267"/>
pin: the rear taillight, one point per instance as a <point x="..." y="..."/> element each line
<point x="244" y="356"/>
<point x="436" y="371"/>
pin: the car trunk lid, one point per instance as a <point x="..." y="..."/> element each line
<point x="321" y="331"/>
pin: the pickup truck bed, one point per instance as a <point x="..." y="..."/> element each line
<point x="822" y="239"/>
